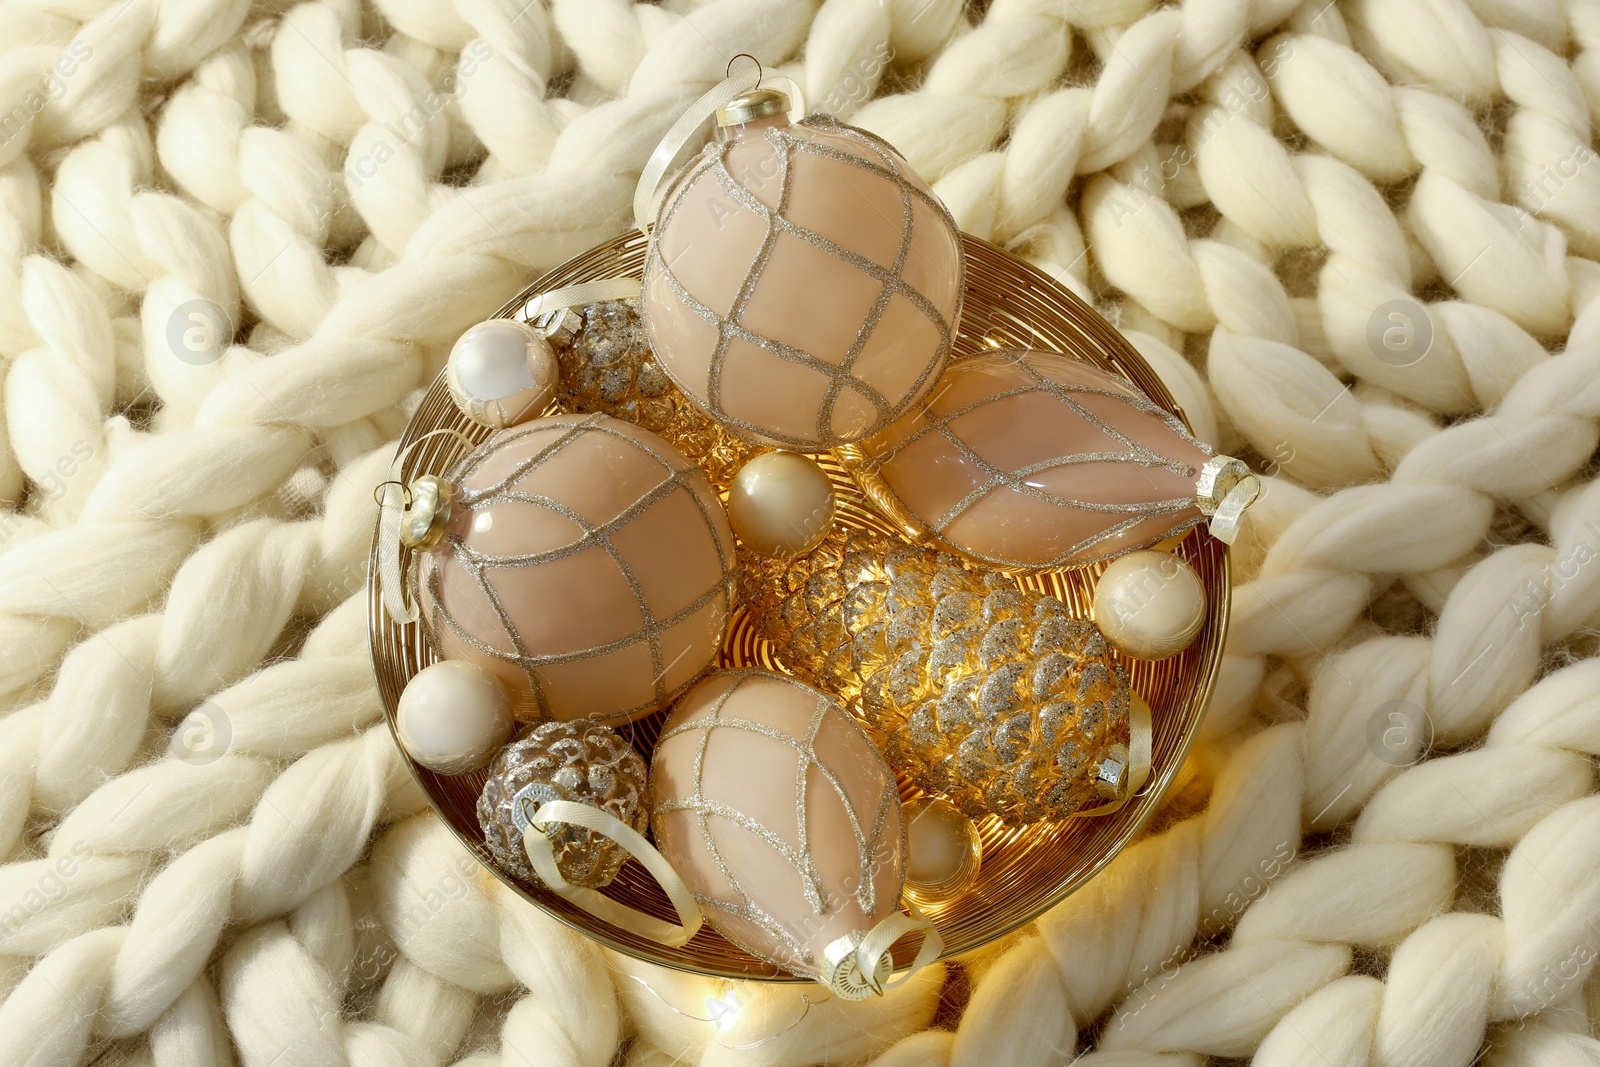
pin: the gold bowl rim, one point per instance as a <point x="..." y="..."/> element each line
<point x="1000" y="292"/>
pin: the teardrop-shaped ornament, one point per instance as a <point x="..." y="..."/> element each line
<point x="1025" y="460"/>
<point x="779" y="814"/>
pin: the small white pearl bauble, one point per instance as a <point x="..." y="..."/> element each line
<point x="453" y="717"/>
<point x="943" y="851"/>
<point x="781" y="504"/>
<point x="502" y="372"/>
<point x="1151" y="605"/>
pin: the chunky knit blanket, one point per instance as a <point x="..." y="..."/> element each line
<point x="1359" y="240"/>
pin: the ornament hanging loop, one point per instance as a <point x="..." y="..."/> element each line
<point x="1130" y="764"/>
<point x="571" y="296"/>
<point x="727" y="72"/>
<point x="652" y="180"/>
<point x="378" y="492"/>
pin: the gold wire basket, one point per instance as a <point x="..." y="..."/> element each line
<point x="1025" y="870"/>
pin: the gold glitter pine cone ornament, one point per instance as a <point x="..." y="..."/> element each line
<point x="992" y="696"/>
<point x="564" y="806"/>
<point x="607" y="366"/>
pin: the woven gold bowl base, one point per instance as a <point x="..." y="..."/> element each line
<point x="1025" y="870"/>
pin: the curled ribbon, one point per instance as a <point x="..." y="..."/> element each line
<point x="1226" y="487"/>
<point x="860" y="963"/>
<point x="541" y="853"/>
<point x="583" y="293"/>
<point x="1141" y="745"/>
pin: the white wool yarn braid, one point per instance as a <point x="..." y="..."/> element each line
<point x="1385" y="848"/>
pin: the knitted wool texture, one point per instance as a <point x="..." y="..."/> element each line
<point x="1385" y="848"/>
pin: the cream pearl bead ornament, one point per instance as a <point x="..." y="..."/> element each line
<point x="502" y="372"/>
<point x="781" y="504"/>
<point x="943" y="851"/>
<point x="1150" y="604"/>
<point x="453" y="717"/>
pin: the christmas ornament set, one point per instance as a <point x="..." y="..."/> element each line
<point x="734" y="578"/>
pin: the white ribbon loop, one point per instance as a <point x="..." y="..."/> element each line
<point x="647" y="194"/>
<point x="541" y="853"/>
<point x="569" y="296"/>
<point x="1225" y="489"/>
<point x="391" y="584"/>
<point x="391" y="511"/>
<point x="1141" y="747"/>
<point x="1229" y="519"/>
<point x="859" y="971"/>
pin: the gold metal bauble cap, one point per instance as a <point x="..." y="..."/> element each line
<point x="423" y="524"/>
<point x="752" y="105"/>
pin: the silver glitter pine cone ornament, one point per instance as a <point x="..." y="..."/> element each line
<point x="582" y="761"/>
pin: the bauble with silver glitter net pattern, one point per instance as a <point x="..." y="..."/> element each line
<point x="598" y="515"/>
<point x="803" y="284"/>
<point x="1025" y="460"/>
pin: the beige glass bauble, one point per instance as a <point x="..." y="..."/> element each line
<point x="1028" y="460"/>
<point x="1150" y="604"/>
<point x="780" y="815"/>
<point x="781" y="504"/>
<point x="586" y="564"/>
<point x="803" y="285"/>
<point x="453" y="717"/>
<point x="501" y="372"/>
